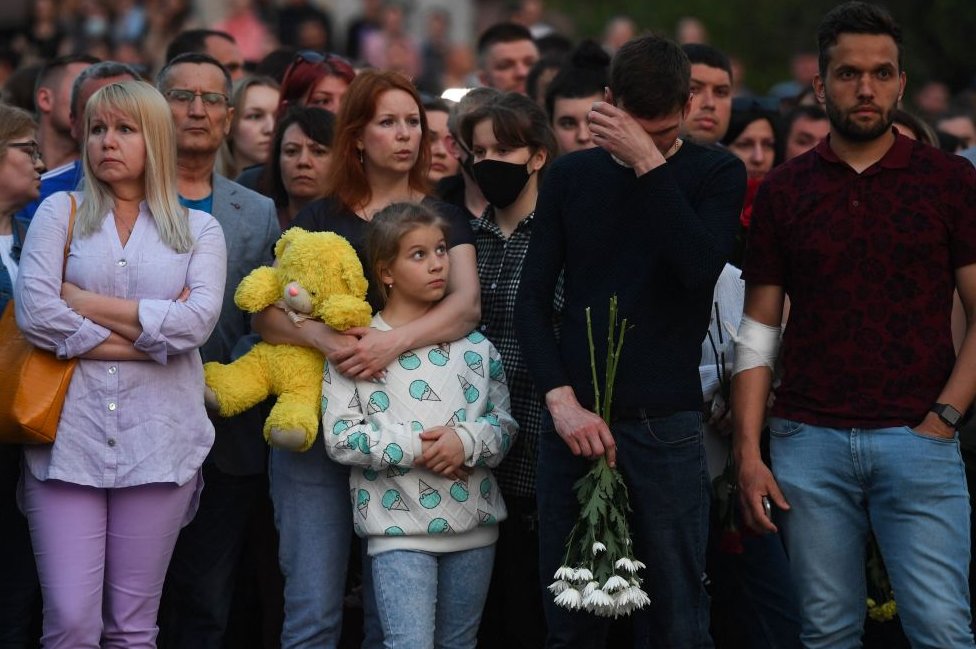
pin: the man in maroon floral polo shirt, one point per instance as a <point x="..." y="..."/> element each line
<point x="868" y="234"/>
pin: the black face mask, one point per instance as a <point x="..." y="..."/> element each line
<point x="500" y="182"/>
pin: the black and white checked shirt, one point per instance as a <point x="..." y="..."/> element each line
<point x="500" y="262"/>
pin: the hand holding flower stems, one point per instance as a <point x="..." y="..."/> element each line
<point x="604" y="580"/>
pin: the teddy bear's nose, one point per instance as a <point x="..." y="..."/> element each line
<point x="292" y="291"/>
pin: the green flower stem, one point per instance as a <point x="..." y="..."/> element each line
<point x="596" y="385"/>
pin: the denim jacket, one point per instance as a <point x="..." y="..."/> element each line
<point x="6" y="283"/>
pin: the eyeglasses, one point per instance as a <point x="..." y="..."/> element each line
<point x="186" y="97"/>
<point x="32" y="148"/>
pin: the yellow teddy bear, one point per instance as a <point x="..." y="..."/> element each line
<point x="318" y="275"/>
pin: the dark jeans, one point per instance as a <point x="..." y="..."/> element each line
<point x="513" y="616"/>
<point x="663" y="463"/>
<point x="200" y="582"/>
<point x="20" y="592"/>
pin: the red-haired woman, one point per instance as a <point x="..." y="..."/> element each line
<point x="312" y="79"/>
<point x="380" y="156"/>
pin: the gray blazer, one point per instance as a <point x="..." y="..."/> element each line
<point x="250" y="225"/>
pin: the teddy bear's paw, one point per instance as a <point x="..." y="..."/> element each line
<point x="210" y="399"/>
<point x="290" y="440"/>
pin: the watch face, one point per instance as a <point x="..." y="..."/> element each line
<point x="947" y="413"/>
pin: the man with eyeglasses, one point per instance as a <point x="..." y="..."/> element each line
<point x="200" y="582"/>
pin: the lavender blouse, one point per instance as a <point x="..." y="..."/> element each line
<point x="124" y="423"/>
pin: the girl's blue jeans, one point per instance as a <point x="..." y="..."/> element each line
<point x="432" y="600"/>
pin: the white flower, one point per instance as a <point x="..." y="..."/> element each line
<point x="615" y="583"/>
<point x="582" y="574"/>
<point x="598" y="547"/>
<point x="598" y="602"/>
<point x="570" y="599"/>
<point x="590" y="587"/>
<point x="564" y="572"/>
<point x="625" y="563"/>
<point x="639" y="564"/>
<point x="631" y="598"/>
<point x="557" y="587"/>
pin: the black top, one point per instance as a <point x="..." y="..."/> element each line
<point x="330" y="215"/>
<point x="659" y="242"/>
<point x="450" y="189"/>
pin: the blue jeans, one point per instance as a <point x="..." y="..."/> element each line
<point x="911" y="490"/>
<point x="431" y="600"/>
<point x="310" y="493"/>
<point x="663" y="462"/>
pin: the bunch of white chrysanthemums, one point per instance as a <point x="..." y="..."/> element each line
<point x="619" y="594"/>
<point x="599" y="572"/>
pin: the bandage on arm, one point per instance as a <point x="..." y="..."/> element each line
<point x="756" y="345"/>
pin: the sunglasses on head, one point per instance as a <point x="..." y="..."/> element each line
<point x="333" y="61"/>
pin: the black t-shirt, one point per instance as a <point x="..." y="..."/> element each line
<point x="330" y="215"/>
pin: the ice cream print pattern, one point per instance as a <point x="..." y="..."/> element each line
<point x="375" y="427"/>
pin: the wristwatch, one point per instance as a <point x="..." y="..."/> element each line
<point x="949" y="415"/>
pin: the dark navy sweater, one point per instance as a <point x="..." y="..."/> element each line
<point x="659" y="242"/>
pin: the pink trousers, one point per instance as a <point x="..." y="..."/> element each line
<point x="101" y="559"/>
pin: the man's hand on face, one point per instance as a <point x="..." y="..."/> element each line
<point x="618" y="133"/>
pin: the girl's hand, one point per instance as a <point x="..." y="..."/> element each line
<point x="368" y="358"/>
<point x="443" y="452"/>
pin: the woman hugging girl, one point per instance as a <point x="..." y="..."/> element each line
<point x="422" y="443"/>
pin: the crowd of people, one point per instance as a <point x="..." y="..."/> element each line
<point x="811" y="252"/>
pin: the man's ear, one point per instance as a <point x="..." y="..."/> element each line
<point x="819" y="91"/>
<point x="230" y="120"/>
<point x="44" y="100"/>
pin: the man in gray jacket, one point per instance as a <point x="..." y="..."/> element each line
<point x="200" y="581"/>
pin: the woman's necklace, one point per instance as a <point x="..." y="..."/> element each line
<point x="128" y="227"/>
<point x="369" y="210"/>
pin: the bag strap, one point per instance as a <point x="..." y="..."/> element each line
<point x="71" y="230"/>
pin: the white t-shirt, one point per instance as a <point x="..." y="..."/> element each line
<point x="6" y="243"/>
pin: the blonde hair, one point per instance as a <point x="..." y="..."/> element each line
<point x="143" y="104"/>
<point x="14" y="122"/>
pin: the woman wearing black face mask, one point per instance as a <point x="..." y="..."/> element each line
<point x="511" y="144"/>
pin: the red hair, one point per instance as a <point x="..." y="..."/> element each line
<point x="347" y="177"/>
<point x="305" y="72"/>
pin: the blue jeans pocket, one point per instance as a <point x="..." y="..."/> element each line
<point x="931" y="438"/>
<point x="678" y="429"/>
<point x="779" y="427"/>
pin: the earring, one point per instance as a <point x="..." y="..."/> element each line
<point x="389" y="286"/>
<point x="362" y="161"/>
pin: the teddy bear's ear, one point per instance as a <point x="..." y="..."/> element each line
<point x="286" y="239"/>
